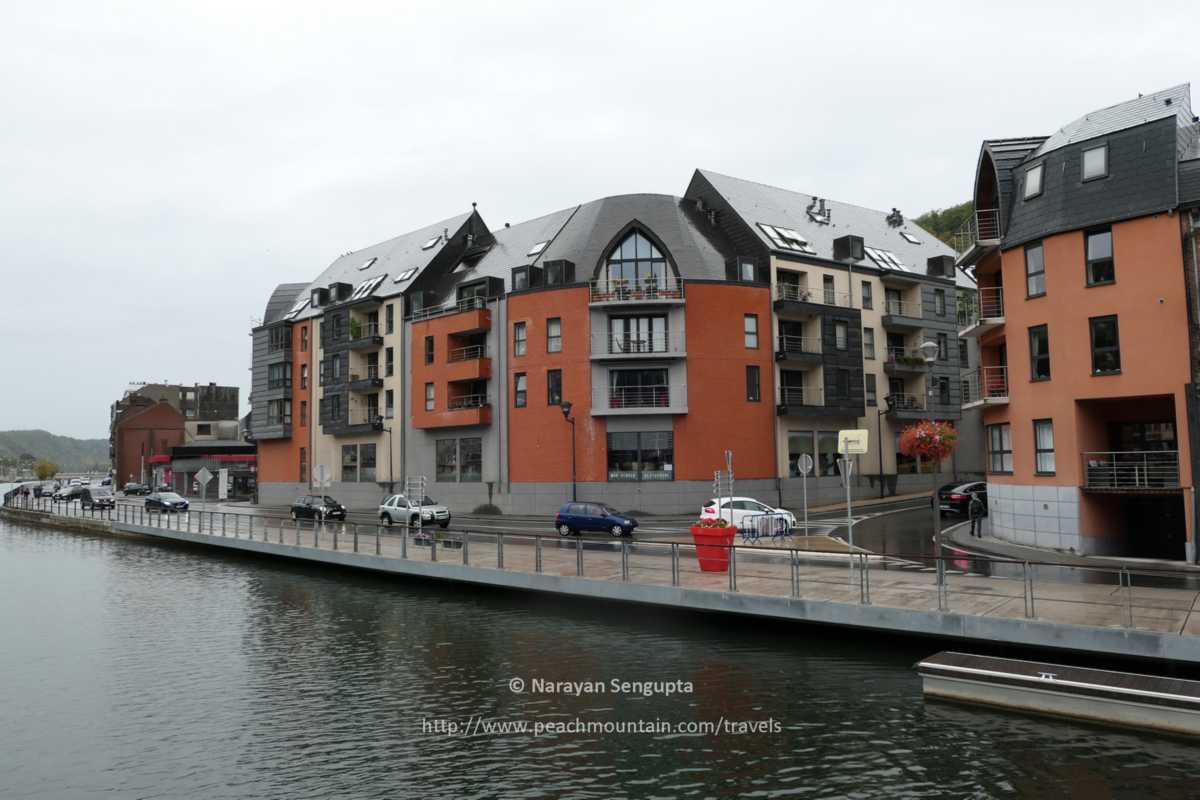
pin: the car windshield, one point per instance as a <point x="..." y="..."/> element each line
<point x="329" y="500"/>
<point x="429" y="501"/>
<point x="169" y="496"/>
<point x="608" y="510"/>
<point x="101" y="492"/>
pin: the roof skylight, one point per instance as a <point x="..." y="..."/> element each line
<point x="403" y="276"/>
<point x="908" y="237"/>
<point x="367" y="263"/>
<point x="885" y="259"/>
<point x="296" y="309"/>
<point x="787" y="239"/>
<point x="366" y="287"/>
<point x="432" y="242"/>
<point x="538" y="248"/>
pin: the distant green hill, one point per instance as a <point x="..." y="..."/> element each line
<point x="71" y="455"/>
<point x="945" y="222"/>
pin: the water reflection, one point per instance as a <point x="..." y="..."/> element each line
<point x="140" y="670"/>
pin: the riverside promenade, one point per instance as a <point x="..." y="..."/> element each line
<point x="1150" y="614"/>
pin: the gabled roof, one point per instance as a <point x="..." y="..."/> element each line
<point x="282" y="299"/>
<point x="1173" y="102"/>
<point x="510" y="249"/>
<point x="760" y="204"/>
<point x="392" y="258"/>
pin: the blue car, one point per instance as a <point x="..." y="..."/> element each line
<point x="574" y="518"/>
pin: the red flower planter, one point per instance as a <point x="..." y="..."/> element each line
<point x="712" y="547"/>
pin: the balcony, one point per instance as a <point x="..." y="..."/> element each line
<point x="901" y="315"/>
<point x="904" y="361"/>
<point x="364" y="384"/>
<point x="986" y="315"/>
<point x="636" y="291"/>
<point x="979" y="236"/>
<point x="364" y="336"/>
<point x="1131" y="471"/>
<point x="475" y="316"/>
<point x="361" y="420"/>
<point x="469" y="363"/>
<point x="651" y="346"/>
<point x="629" y="400"/>
<point x="461" y="411"/>
<point x="800" y="401"/>
<point x="803" y="351"/>
<point x="280" y="383"/>
<point x="986" y="386"/>
<point x="905" y="406"/>
<point x="800" y="302"/>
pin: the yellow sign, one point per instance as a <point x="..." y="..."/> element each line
<point x="852" y="442"/>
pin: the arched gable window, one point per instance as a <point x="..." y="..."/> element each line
<point x="637" y="261"/>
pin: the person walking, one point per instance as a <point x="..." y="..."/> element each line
<point x="975" y="512"/>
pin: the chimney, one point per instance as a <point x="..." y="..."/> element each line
<point x="821" y="210"/>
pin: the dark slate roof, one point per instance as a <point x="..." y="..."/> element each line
<point x="760" y="203"/>
<point x="1006" y="154"/>
<point x="697" y="249"/>
<point x="392" y="258"/>
<point x="1189" y="182"/>
<point x="1173" y="102"/>
<point x="282" y="299"/>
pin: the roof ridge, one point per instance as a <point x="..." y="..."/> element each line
<point x="805" y="194"/>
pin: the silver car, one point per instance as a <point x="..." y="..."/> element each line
<point x="399" y="509"/>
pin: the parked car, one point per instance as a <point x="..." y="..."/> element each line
<point x="135" y="489"/>
<point x="316" y="506"/>
<point x="107" y="482"/>
<point x="574" y="518"/>
<point x="97" y="497"/>
<point x="68" y="494"/>
<point x="75" y="482"/>
<point x="954" y="498"/>
<point x="165" y="501"/>
<point x="741" y="511"/>
<point x="401" y="509"/>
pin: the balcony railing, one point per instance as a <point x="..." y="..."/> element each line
<point x="799" y="344"/>
<point x="906" y="402"/>
<point x="471" y="303"/>
<point x="372" y="372"/>
<point x="906" y="357"/>
<point x="279" y="419"/>
<point x="902" y="308"/>
<point x="280" y="383"/>
<point x="797" y="293"/>
<point x="986" y="383"/>
<point x="639" y="396"/>
<point x="982" y="226"/>
<point x="627" y="290"/>
<point x="364" y="416"/>
<point x="276" y="345"/>
<point x="363" y="330"/>
<point x="800" y="395"/>
<point x="1131" y="469"/>
<point x="469" y="353"/>
<point x="467" y="401"/>
<point x="621" y="344"/>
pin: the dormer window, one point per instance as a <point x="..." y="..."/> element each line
<point x="637" y="263"/>
<point x="1033" y="181"/>
<point x="1095" y="163"/>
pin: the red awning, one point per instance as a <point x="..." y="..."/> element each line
<point x="158" y="459"/>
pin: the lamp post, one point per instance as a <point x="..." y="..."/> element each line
<point x="566" y="409"/>
<point x="929" y="350"/>
<point x="391" y="476"/>
<point x="887" y="402"/>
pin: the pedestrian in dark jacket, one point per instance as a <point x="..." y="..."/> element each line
<point x="975" y="512"/>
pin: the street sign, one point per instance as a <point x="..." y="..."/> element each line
<point x="203" y="476"/>
<point x="852" y="442"/>
<point x="320" y="476"/>
<point x="804" y="463"/>
<point x="223" y="484"/>
<point x="847" y="466"/>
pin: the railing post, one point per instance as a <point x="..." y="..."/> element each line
<point x="432" y="548"/>
<point x="674" y="563"/>
<point x="466" y="548"/>
<point x="866" y="578"/>
<point x="404" y="541"/>
<point x="500" y="551"/>
<point x="356" y="537"/>
<point x="1026" y="590"/>
<point x="335" y="537"/>
<point x="296" y="524"/>
<point x="795" y="564"/>
<point x="625" y="561"/>
<point x="378" y="551"/>
<point x="316" y="535"/>
<point x="579" y="556"/>
<point x="537" y="555"/>
<point x="1128" y="577"/>
<point x="732" y="568"/>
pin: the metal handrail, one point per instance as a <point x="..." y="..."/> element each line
<point x="1131" y="469"/>
<point x="906" y="402"/>
<point x="280" y="383"/>
<point x="639" y="396"/>
<point x="986" y="383"/>
<point x="901" y="308"/>
<point x="361" y="417"/>
<point x="372" y="372"/>
<point x="799" y="344"/>
<point x="990" y="302"/>
<point x="797" y="293"/>
<point x="469" y="353"/>
<point x="623" y="344"/>
<point x="800" y="395"/>
<point x="983" y="225"/>
<point x="621" y="290"/>
<point x="910" y="356"/>
<point x="464" y="401"/>
<point x="472" y="303"/>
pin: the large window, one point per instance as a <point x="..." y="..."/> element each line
<point x="1099" y="254"/>
<point x="750" y="331"/>
<point x="447" y="460"/>
<point x="753" y="386"/>
<point x="634" y="388"/>
<point x="390" y="317"/>
<point x="1095" y="163"/>
<point x="389" y="362"/>
<point x="366" y="463"/>
<point x="303" y="478"/>
<point x="637" y="334"/>
<point x="350" y="463"/>
<point x="1035" y="270"/>
<point x="939" y="302"/>
<point x="1033" y="181"/>
<point x="1039" y="353"/>
<point x="554" y="387"/>
<point x="279" y="376"/>
<point x="1043" y="446"/>
<point x="800" y="443"/>
<point x="964" y="354"/>
<point x="1106" y="345"/>
<point x="999" y="440"/>
<point x="828" y="289"/>
<point x="389" y="404"/>
<point x="520" y="390"/>
<point x="428" y="349"/>
<point x="279" y="412"/>
<point x="827" y="454"/>
<point x="868" y="342"/>
<point x="554" y="335"/>
<point x="645" y="456"/>
<point x="871" y="392"/>
<point x="637" y="262"/>
<point x="470" y="458"/>
<point x="429" y="397"/>
<point x="943" y="343"/>
<point x="519" y="338"/>
<point x="867" y="300"/>
<point x="840" y="334"/>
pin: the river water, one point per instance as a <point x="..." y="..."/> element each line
<point x="131" y="669"/>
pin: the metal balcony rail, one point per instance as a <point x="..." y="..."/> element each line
<point x="276" y="346"/>
<point x="363" y="330"/>
<point x="622" y="290"/>
<point x="1131" y="469"/>
<point x="990" y="303"/>
<point x="800" y="395"/>
<point x="639" y="396"/>
<point x="991" y="382"/>
<point x="364" y="416"/>
<point x="372" y="372"/>
<point x="279" y="419"/>
<point x="906" y="402"/>
<point x="982" y="226"/>
<point x="469" y="353"/>
<point x="902" y="308"/>
<point x="1050" y="591"/>
<point x="464" y="401"/>
<point x="798" y="293"/>
<point x="472" y="303"/>
<point x="280" y="383"/>
<point x="652" y="343"/>
<point x="907" y="356"/>
<point x="799" y="344"/>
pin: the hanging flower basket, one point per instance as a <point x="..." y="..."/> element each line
<point x="713" y="538"/>
<point x="928" y="439"/>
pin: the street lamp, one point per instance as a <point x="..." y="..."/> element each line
<point x="929" y="350"/>
<point x="566" y="409"/>
<point x="391" y="477"/>
<point x="887" y="402"/>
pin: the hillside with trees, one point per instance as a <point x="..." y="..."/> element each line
<point x="20" y="450"/>
<point x="944" y="223"/>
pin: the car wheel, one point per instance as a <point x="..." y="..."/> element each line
<point x="564" y="530"/>
<point x="616" y="531"/>
<point x="414" y="521"/>
<point x="444" y="524"/>
<point x="386" y="519"/>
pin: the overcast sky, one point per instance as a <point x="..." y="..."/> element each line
<point x="164" y="165"/>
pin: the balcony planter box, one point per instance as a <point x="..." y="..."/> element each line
<point x="712" y="547"/>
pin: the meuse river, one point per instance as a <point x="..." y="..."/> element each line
<point x="131" y="669"/>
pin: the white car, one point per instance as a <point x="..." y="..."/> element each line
<point x="741" y="511"/>
<point x="402" y="510"/>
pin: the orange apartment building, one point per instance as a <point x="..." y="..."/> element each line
<point x="1086" y="310"/>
